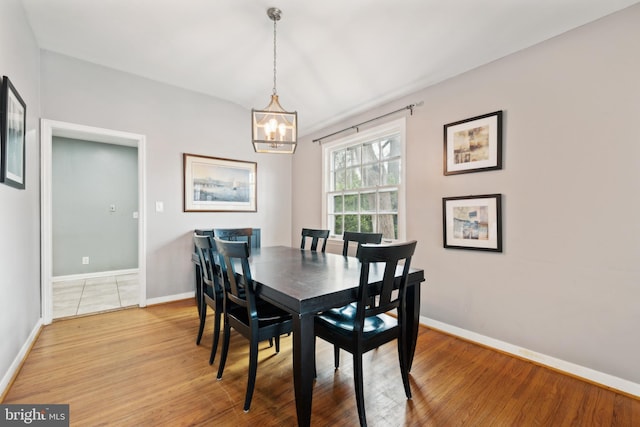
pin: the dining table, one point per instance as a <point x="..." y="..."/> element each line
<point x="305" y="283"/>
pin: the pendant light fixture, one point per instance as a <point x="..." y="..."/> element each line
<point x="273" y="129"/>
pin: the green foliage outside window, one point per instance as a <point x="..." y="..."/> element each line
<point x="364" y="195"/>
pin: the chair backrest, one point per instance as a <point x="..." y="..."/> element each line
<point x="240" y="285"/>
<point x="198" y="232"/>
<point x="234" y="234"/>
<point x="361" y="238"/>
<point x="315" y="236"/>
<point x="203" y="232"/>
<point x="206" y="251"/>
<point x="387" y="257"/>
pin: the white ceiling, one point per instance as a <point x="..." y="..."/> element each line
<point x="335" y="57"/>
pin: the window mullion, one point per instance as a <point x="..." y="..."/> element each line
<point x="366" y="173"/>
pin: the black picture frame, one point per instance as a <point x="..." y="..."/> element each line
<point x="473" y="145"/>
<point x="473" y="222"/>
<point x="13" y="121"/>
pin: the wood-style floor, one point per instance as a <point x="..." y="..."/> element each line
<point x="141" y="367"/>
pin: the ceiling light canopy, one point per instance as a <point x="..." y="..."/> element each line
<point x="273" y="129"/>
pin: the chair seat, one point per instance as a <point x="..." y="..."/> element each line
<point x="343" y="320"/>
<point x="267" y="313"/>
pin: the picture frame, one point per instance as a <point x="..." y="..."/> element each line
<point x="214" y="184"/>
<point x="13" y="120"/>
<point x="473" y="222"/>
<point x="473" y="145"/>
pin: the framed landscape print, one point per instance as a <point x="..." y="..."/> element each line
<point x="13" y="117"/>
<point x="473" y="222"/>
<point x="473" y="145"/>
<point x="213" y="184"/>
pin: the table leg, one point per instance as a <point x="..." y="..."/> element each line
<point x="413" y="320"/>
<point x="303" y="349"/>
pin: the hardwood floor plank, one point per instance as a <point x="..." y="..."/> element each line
<point x="141" y="367"/>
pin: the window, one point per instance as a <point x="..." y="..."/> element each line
<point x="363" y="178"/>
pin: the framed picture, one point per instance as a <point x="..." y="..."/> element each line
<point x="213" y="184"/>
<point x="13" y="120"/>
<point x="473" y="145"/>
<point x="473" y="222"/>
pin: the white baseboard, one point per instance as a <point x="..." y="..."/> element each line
<point x="20" y="357"/>
<point x="85" y="276"/>
<point x="171" y="298"/>
<point x="588" y="374"/>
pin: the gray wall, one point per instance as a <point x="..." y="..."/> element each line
<point x="175" y="121"/>
<point x="89" y="177"/>
<point x="567" y="284"/>
<point x="20" y="209"/>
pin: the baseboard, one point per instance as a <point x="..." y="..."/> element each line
<point x="85" y="276"/>
<point x="11" y="373"/>
<point x="587" y="374"/>
<point x="171" y="298"/>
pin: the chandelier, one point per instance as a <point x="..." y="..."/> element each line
<point x="273" y="129"/>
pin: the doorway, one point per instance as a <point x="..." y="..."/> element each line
<point x="50" y="129"/>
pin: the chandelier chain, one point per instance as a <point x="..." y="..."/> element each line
<point x="274" y="57"/>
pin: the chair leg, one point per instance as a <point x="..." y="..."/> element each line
<point x="277" y="339"/>
<point x="198" y="289"/>
<point x="404" y="365"/>
<point x="203" y="317"/>
<point x="336" y="356"/>
<point x="253" y="368"/>
<point x="216" y="335"/>
<point x="315" y="372"/>
<point x="225" y="348"/>
<point x="357" y="379"/>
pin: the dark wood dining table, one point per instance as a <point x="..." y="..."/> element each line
<point x="305" y="283"/>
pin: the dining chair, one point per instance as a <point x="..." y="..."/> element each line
<point x="254" y="318"/>
<point x="210" y="289"/>
<point x="315" y="236"/>
<point x="361" y="238"/>
<point x="240" y="234"/>
<point x="196" y="262"/>
<point x="234" y="234"/>
<point x="365" y="327"/>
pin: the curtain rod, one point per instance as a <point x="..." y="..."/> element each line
<point x="408" y="107"/>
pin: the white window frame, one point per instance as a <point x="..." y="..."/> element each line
<point x="391" y="127"/>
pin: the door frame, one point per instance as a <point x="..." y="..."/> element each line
<point x="49" y="129"/>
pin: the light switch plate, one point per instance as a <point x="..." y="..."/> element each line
<point x="159" y="207"/>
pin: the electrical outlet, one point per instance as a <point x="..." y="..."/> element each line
<point x="85" y="260"/>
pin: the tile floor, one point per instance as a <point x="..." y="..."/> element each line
<point x="84" y="296"/>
